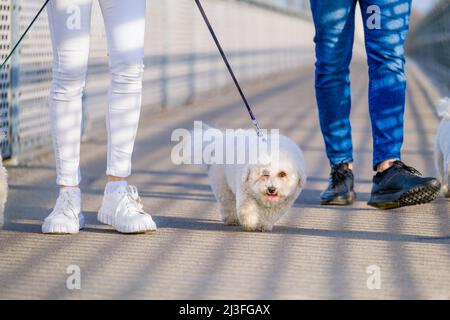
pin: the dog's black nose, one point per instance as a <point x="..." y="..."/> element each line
<point x="271" y="190"/>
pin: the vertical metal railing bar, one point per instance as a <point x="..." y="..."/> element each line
<point x="15" y="80"/>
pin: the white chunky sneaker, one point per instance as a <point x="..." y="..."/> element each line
<point x="123" y="210"/>
<point x="66" y="217"/>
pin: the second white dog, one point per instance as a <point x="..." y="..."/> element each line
<point x="442" y="147"/>
<point x="255" y="196"/>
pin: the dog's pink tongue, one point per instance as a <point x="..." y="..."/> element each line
<point x="272" y="198"/>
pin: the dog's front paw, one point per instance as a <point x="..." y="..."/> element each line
<point x="250" y="222"/>
<point x="231" y="222"/>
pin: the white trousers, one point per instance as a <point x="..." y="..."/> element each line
<point x="70" y="24"/>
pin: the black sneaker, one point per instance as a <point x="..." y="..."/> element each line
<point x="401" y="186"/>
<point x="340" y="188"/>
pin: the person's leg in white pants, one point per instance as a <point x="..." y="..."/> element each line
<point x="125" y="26"/>
<point x="69" y="22"/>
<point x="70" y="33"/>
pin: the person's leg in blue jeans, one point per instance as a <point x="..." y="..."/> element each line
<point x="387" y="81"/>
<point x="335" y="24"/>
<point x="395" y="184"/>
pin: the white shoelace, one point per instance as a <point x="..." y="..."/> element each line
<point x="64" y="205"/>
<point x="132" y="201"/>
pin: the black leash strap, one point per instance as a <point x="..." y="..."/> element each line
<point x="222" y="53"/>
<point x="23" y="35"/>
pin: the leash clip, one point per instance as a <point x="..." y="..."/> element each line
<point x="259" y="131"/>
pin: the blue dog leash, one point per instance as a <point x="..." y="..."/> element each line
<point x="230" y="70"/>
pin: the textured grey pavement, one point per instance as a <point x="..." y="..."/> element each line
<point x="314" y="252"/>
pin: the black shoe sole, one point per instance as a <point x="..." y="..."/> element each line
<point x="416" y="196"/>
<point x="340" y="200"/>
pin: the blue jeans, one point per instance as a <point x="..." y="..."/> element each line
<point x="334" y="21"/>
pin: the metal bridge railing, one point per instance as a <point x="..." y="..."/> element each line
<point x="181" y="60"/>
<point x="429" y="42"/>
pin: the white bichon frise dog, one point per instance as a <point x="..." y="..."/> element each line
<point x="256" y="194"/>
<point x="442" y="147"/>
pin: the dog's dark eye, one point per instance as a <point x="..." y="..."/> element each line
<point x="282" y="174"/>
<point x="266" y="173"/>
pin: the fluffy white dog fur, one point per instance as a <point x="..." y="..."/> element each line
<point x="442" y="147"/>
<point x="242" y="189"/>
<point x="3" y="187"/>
